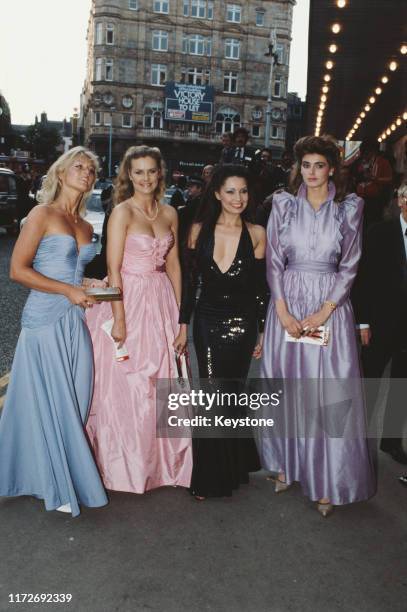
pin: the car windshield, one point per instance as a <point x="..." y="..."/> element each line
<point x="94" y="203"/>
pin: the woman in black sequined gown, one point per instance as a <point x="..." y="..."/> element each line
<point x="227" y="252"/>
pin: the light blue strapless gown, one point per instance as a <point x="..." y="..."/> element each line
<point x="43" y="447"/>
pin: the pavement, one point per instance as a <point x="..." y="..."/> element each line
<point x="164" y="551"/>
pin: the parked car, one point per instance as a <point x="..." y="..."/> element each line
<point x="95" y="215"/>
<point x="9" y="201"/>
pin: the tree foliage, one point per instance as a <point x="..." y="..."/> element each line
<point x="43" y="140"/>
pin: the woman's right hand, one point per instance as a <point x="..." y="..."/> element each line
<point x="78" y="296"/>
<point x="118" y="332"/>
<point x="291" y="325"/>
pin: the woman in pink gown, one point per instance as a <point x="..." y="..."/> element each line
<point x="142" y="259"/>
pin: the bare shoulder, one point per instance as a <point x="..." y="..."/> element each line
<point x="257" y="233"/>
<point x="122" y="211"/>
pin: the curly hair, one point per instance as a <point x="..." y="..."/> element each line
<point x="210" y="208"/>
<point x="123" y="185"/>
<point x="51" y="187"/>
<point x="322" y="145"/>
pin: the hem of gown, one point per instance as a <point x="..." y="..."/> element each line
<point x="141" y="491"/>
<point x="333" y="501"/>
<point x="51" y="506"/>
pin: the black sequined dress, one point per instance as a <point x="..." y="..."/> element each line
<point x="228" y="316"/>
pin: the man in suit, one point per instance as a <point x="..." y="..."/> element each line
<point x="380" y="300"/>
<point x="187" y="213"/>
<point x="243" y="154"/>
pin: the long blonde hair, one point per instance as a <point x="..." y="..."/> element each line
<point x="123" y="186"/>
<point x="51" y="187"/>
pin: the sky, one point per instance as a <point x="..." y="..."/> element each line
<point x="43" y="58"/>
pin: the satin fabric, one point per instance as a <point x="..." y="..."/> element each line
<point x="122" y="421"/>
<point x="43" y="447"/>
<point x="328" y="455"/>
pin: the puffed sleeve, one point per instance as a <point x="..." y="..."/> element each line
<point x="189" y="285"/>
<point x="275" y="258"/>
<point x="262" y="292"/>
<point x="351" y="230"/>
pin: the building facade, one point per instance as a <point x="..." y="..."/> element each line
<point x="295" y="119"/>
<point x="147" y="57"/>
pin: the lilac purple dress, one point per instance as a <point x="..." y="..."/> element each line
<point x="320" y="435"/>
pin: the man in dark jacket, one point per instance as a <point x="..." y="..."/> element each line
<point x="187" y="213"/>
<point x="380" y="301"/>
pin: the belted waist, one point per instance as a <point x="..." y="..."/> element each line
<point x="312" y="266"/>
<point x="138" y="272"/>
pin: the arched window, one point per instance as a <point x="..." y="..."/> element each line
<point x="153" y="116"/>
<point x="227" y="120"/>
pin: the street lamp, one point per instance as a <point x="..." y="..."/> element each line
<point x="112" y="108"/>
<point x="271" y="53"/>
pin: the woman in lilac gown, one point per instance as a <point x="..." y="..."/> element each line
<point x="314" y="245"/>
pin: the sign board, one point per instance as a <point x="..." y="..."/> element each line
<point x="191" y="103"/>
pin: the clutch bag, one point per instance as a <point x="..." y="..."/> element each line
<point x="105" y="294"/>
<point x="319" y="337"/>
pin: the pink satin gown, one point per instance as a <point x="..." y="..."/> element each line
<point x="122" y="421"/>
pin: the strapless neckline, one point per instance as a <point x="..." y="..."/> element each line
<point x="134" y="235"/>
<point x="78" y="248"/>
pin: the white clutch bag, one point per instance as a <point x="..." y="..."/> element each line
<point x="319" y="337"/>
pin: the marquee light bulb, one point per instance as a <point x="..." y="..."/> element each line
<point x="333" y="48"/>
<point x="393" y="66"/>
<point x="385" y="79"/>
<point x="336" y="28"/>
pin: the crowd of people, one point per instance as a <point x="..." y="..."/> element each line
<point x="79" y="420"/>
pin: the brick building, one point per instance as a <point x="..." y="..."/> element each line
<point x="144" y="54"/>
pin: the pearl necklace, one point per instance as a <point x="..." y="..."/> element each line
<point x="154" y="217"/>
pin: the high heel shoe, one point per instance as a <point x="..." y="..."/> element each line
<point x="325" y="509"/>
<point x="65" y="508"/>
<point x="280" y="486"/>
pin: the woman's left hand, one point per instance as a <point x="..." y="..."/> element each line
<point x="180" y="341"/>
<point x="259" y="347"/>
<point x="312" y="322"/>
<point x="95" y="282"/>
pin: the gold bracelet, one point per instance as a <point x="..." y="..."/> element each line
<point x="331" y="305"/>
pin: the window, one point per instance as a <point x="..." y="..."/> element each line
<point x="232" y="48"/>
<point x="99" y="34"/>
<point x="195" y="76"/>
<point x="160" y="40"/>
<point x="200" y="9"/>
<point x="230" y="82"/>
<point x="109" y="70"/>
<point x="153" y="116"/>
<point x="280" y="53"/>
<point x="133" y="5"/>
<point x="234" y="13"/>
<point x="98" y="69"/>
<point x="158" y="74"/>
<point x="110" y="34"/>
<point x="277" y="132"/>
<point x="107" y="119"/>
<point x="161" y="6"/>
<point x="227" y="120"/>
<point x="97" y="117"/>
<point x="260" y="19"/>
<point x="126" y="120"/>
<point x="195" y="44"/>
<point x="256" y="131"/>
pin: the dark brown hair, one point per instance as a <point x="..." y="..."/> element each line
<point x="322" y="145"/>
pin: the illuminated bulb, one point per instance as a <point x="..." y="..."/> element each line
<point x="393" y="66"/>
<point x="379" y="140"/>
<point x="355" y="126"/>
<point x="336" y="28"/>
<point x="372" y="100"/>
<point x="358" y="120"/>
<point x="398" y="121"/>
<point x="367" y="108"/>
<point x="325" y="89"/>
<point x="378" y="90"/>
<point x="403" y="49"/>
<point x="329" y="65"/>
<point x="327" y="78"/>
<point x="393" y="127"/>
<point x="405" y="116"/>
<point x="385" y="79"/>
<point x="384" y="136"/>
<point x="323" y="98"/>
<point x="333" y="48"/>
<point x="388" y="132"/>
<point x="347" y="138"/>
<point x="322" y="106"/>
<point x="341" y="3"/>
<point x="363" y="114"/>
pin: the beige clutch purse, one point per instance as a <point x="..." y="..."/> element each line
<point x="105" y="294"/>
